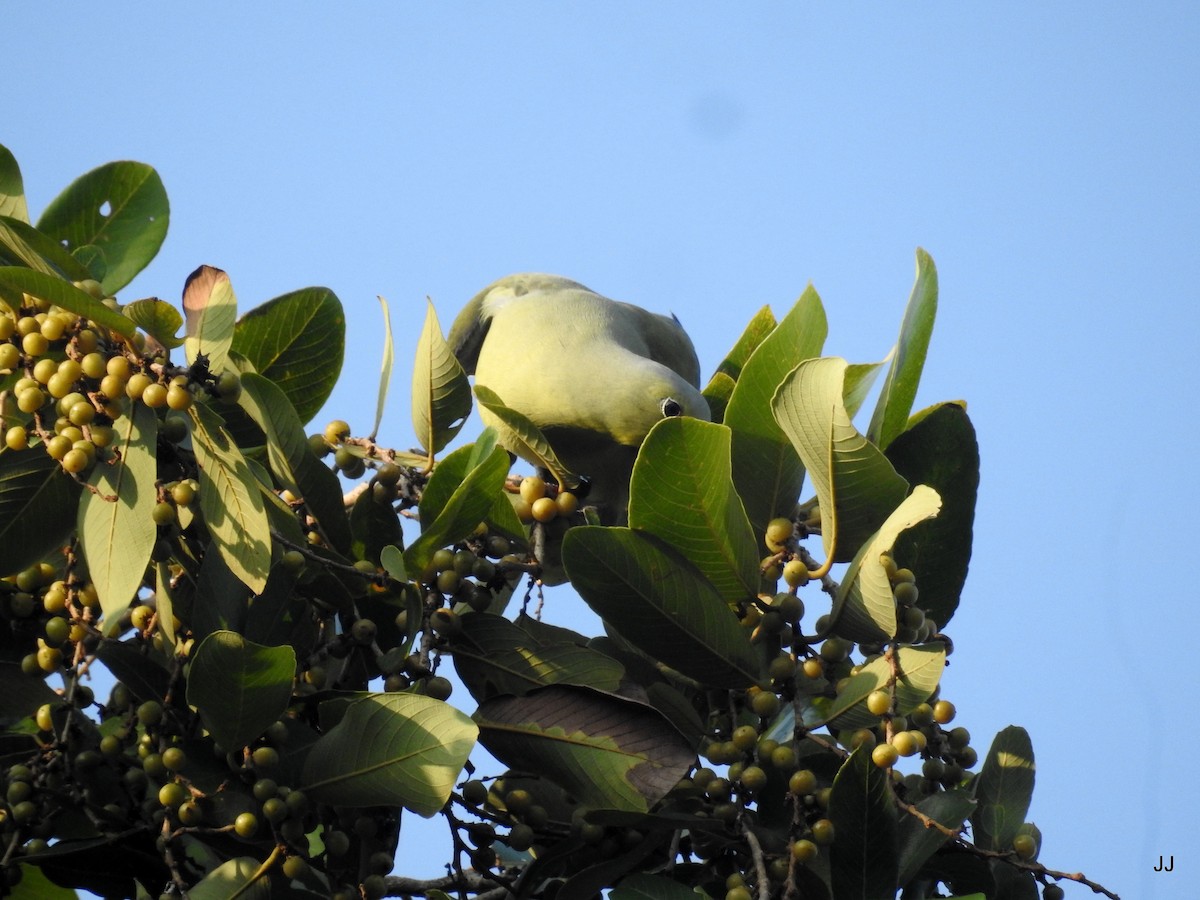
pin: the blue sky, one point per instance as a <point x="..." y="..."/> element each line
<point x="709" y="160"/>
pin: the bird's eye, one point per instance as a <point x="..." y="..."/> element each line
<point x="671" y="408"/>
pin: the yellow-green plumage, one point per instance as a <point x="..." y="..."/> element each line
<point x="593" y="374"/>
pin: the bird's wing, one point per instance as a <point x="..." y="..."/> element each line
<point x="665" y="341"/>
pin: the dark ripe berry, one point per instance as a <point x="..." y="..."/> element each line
<point x="518" y="801"/>
<point x="475" y="792"/>
<point x="363" y="631"/>
<point x="520" y="838"/>
<point x="337" y="843"/>
<point x="438" y="688"/>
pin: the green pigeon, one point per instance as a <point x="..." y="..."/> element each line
<point x="593" y="374"/>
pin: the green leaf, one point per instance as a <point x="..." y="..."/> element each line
<point x="860" y="378"/>
<point x="441" y="394"/>
<point x="606" y="751"/>
<point x="900" y="387"/>
<point x="720" y="386"/>
<point x="856" y="486"/>
<point x="23" y="245"/>
<point x="37" y="507"/>
<point x="660" y="603"/>
<point x="717" y="392"/>
<point x="291" y="458"/>
<point x="865" y="608"/>
<point x="643" y="886"/>
<point x="469" y="502"/>
<point x="20" y="695"/>
<point x="158" y="319"/>
<point x="918" y="843"/>
<point x="1004" y="789"/>
<point x="529" y="434"/>
<point x="230" y="500"/>
<point x="939" y="449"/>
<point x="391" y="750"/>
<point x="145" y="678"/>
<point x="233" y="878"/>
<point x="34" y="885"/>
<point x="374" y="525"/>
<point x="122" y="208"/>
<point x="766" y="470"/>
<point x="118" y="535"/>
<point x="17" y="280"/>
<point x="920" y="671"/>
<point x="682" y="491"/>
<point x="92" y="258"/>
<point x="298" y="340"/>
<point x="12" y="187"/>
<point x="239" y="687"/>
<point x="392" y="560"/>
<point x="385" y="370"/>
<point x="211" y="308"/>
<point x="493" y="656"/>
<point x="863" y="858"/>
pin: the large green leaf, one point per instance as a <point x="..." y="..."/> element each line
<point x="441" y="393"/>
<point x="469" y="502"/>
<point x="298" y="340"/>
<point x="211" y="310"/>
<point x="682" y="491"/>
<point x="37" y="507"/>
<point x="865" y="607"/>
<point x="917" y="842"/>
<point x="855" y="484"/>
<point x="392" y="750"/>
<point x="385" y="369"/>
<point x="900" y="387"/>
<point x="529" y="434"/>
<point x="939" y="449"/>
<point x="863" y="858"/>
<point x="23" y="245"/>
<point x="116" y="530"/>
<point x="660" y="603"/>
<point x="239" y="687"/>
<point x="1004" y="789"/>
<point x="292" y="460"/>
<point x="120" y="207"/>
<point x="606" y="751"/>
<point x="18" y="280"/>
<point x="12" y="187"/>
<point x="230" y="500"/>
<point x="920" y="670"/>
<point x="720" y="387"/>
<point x="493" y="656"/>
<point x="766" y="470"/>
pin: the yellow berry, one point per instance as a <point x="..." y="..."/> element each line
<point x="119" y="366"/>
<point x="16" y="438"/>
<point x="778" y="531"/>
<point x="93" y="365"/>
<point x="10" y="356"/>
<point x="178" y="397"/>
<point x="533" y="488"/>
<point x="154" y="395"/>
<point x="75" y="461"/>
<point x="544" y="509"/>
<point x="35" y="343"/>
<point x="137" y="384"/>
<point x="567" y="504"/>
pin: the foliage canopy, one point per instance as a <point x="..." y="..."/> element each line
<point x="164" y="515"/>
